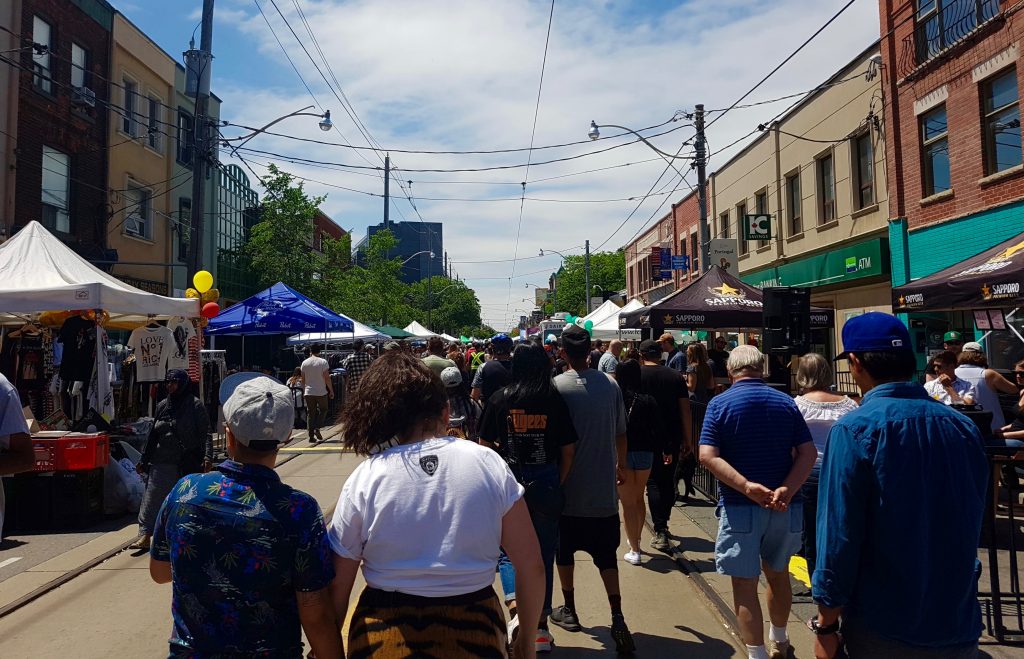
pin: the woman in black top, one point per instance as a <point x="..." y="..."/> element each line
<point x="643" y="442"/>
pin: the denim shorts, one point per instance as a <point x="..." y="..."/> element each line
<point x="640" y="460"/>
<point x="749" y="534"/>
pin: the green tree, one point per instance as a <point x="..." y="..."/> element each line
<point x="371" y="294"/>
<point x="607" y="273"/>
<point x="447" y="305"/>
<point x="279" y="246"/>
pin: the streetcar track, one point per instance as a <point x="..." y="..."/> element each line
<point x="63" y="579"/>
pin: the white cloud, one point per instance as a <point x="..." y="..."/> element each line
<point x="463" y="74"/>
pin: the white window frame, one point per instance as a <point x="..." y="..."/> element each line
<point x="42" y="63"/>
<point x="138" y="224"/>
<point x="154" y="122"/>
<point x="59" y="201"/>
<point x="128" y="118"/>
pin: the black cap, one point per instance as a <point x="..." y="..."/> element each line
<point x="650" y="348"/>
<point x="575" y="336"/>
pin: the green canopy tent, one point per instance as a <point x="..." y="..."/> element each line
<point x="393" y="332"/>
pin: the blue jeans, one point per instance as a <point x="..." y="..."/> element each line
<point x="546" y="528"/>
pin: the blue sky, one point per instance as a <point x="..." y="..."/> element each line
<point x="463" y="75"/>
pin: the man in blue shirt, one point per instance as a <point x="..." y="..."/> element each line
<point x="900" y="504"/>
<point x="247" y="554"/>
<point x="756" y="442"/>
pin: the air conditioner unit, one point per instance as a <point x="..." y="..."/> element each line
<point x="83" y="97"/>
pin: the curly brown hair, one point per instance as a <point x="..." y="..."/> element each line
<point x="397" y="393"/>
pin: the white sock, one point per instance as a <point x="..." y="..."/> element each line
<point x="778" y="634"/>
<point x="756" y="652"/>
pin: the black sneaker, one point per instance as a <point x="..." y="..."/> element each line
<point x="660" y="541"/>
<point x="620" y="634"/>
<point x="566" y="618"/>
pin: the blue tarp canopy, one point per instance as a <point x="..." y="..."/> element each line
<point x="277" y="310"/>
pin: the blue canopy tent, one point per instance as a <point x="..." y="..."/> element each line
<point x="279" y="310"/>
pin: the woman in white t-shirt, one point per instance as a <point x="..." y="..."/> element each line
<point x="425" y="516"/>
<point x="821" y="409"/>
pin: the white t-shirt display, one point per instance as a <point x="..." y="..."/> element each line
<point x="425" y="518"/>
<point x="182" y="330"/>
<point x="12" y="421"/>
<point x="313" y="370"/>
<point x="153" y="347"/>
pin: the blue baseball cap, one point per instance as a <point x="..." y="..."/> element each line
<point x="874" y="332"/>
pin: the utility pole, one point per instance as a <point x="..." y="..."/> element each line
<point x="586" y="272"/>
<point x="199" y="64"/>
<point x="387" y="190"/>
<point x="700" y="162"/>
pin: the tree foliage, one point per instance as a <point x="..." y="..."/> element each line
<point x="445" y="305"/>
<point x="607" y="274"/>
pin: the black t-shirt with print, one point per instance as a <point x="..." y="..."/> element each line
<point x="531" y="431"/>
<point x="79" y="338"/>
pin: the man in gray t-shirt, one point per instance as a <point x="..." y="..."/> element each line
<point x="590" y="518"/>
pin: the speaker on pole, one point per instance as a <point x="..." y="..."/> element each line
<point x="787" y="320"/>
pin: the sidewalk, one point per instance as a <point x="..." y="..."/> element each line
<point x="693" y="527"/>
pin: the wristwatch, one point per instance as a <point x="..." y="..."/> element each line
<point x="818" y="630"/>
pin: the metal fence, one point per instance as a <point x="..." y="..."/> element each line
<point x="703" y="481"/>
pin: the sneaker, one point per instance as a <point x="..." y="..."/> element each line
<point x="660" y="541"/>
<point x="513" y="629"/>
<point x="778" y="649"/>
<point x="566" y="618"/>
<point x="620" y="634"/>
<point x="632" y="557"/>
<point x="544" y="640"/>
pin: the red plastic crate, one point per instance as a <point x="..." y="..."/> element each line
<point x="60" y="451"/>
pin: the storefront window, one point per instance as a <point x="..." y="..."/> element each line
<point x="1005" y="348"/>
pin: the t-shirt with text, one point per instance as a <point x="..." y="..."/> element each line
<point x="153" y="347"/>
<point x="530" y="431"/>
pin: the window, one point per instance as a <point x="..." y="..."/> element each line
<point x="741" y="218"/>
<point x="138" y="213"/>
<point x="129" y="107"/>
<point x="942" y="23"/>
<point x="723" y="225"/>
<point x="694" y="252"/>
<point x="1002" y="122"/>
<point x="184" y="227"/>
<point x="826" y="188"/>
<point x="79" y="66"/>
<point x="794" y="204"/>
<point x="761" y="208"/>
<point x="863" y="171"/>
<point x="56" y="191"/>
<point x="41" y="34"/>
<point x="186" y="137"/>
<point x="935" y="151"/>
<point x="154" y="131"/>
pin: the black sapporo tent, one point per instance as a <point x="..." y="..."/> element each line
<point x="990" y="279"/>
<point x="717" y="300"/>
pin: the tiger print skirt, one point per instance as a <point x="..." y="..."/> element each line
<point x="390" y="625"/>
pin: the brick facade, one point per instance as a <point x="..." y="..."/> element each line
<point x="674" y="229"/>
<point x="51" y="119"/>
<point x="953" y="78"/>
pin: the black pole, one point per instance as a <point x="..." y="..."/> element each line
<point x="700" y="161"/>
<point x="387" y="190"/>
<point x="201" y="150"/>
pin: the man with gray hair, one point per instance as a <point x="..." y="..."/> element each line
<point x="610" y="359"/>
<point x="755" y="441"/>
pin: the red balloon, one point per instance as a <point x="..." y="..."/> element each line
<point x="210" y="310"/>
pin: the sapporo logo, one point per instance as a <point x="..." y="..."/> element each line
<point x="911" y="300"/>
<point x="999" y="291"/>
<point x="428" y="464"/>
<point x="1001" y="260"/>
<point x="730" y="296"/>
<point x="689" y="318"/>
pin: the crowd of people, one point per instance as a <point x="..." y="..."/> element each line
<point x="495" y="458"/>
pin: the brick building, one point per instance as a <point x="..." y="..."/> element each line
<point x="10" y="25"/>
<point x="324" y="227"/>
<point x="954" y="159"/>
<point x="61" y="165"/>
<point x="677" y="230"/>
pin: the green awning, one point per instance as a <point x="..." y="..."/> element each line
<point x="393" y="332"/>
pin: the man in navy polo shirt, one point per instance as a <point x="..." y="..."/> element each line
<point x="755" y="441"/>
<point x="900" y="504"/>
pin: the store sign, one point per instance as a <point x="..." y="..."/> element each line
<point x="540" y="296"/>
<point x="867" y="259"/>
<point x="656" y="263"/>
<point x="666" y="263"/>
<point x="681" y="262"/>
<point x="722" y="252"/>
<point x="757" y="227"/>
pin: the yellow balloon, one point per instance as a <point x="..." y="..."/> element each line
<point x="203" y="281"/>
<point x="211" y="295"/>
<point x="192" y="294"/>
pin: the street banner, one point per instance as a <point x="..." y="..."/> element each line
<point x="722" y="252"/>
<point x="757" y="227"/>
<point x="666" y="263"/>
<point x="656" y="263"/>
<point x="540" y="296"/>
<point x="681" y="262"/>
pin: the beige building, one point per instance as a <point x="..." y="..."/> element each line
<point x="142" y="154"/>
<point x="10" y="22"/>
<point x="815" y="179"/>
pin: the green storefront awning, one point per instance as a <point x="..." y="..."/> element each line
<point x="866" y="259"/>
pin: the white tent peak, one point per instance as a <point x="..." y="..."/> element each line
<point x="40" y="273"/>
<point x="418" y="330"/>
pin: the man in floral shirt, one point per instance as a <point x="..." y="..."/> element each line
<point x="247" y="554"/>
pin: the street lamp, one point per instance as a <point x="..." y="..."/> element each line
<point x="325" y="125"/>
<point x="426" y="251"/>
<point x="699" y="163"/>
<point x="554" y="289"/>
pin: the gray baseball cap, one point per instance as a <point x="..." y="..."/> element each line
<point x="260" y="413"/>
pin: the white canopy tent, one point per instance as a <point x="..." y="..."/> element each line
<point x="40" y="273"/>
<point x="360" y="331"/>
<point x="449" y="338"/>
<point x="418" y="330"/>
<point x="608" y="328"/>
<point x="607" y="309"/>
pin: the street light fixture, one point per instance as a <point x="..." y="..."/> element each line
<point x="426" y="251"/>
<point x="325" y="125"/>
